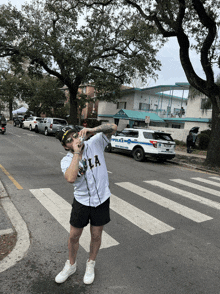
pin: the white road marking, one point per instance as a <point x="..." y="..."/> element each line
<point x="31" y="135"/>
<point x="138" y="217"/>
<point x="167" y="203"/>
<point x="109" y="172"/>
<point x="198" y="187"/>
<point x="207" y="181"/>
<point x="215" y="178"/>
<point x="186" y="194"/>
<point x="61" y="209"/>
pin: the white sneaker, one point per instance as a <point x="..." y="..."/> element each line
<point x="90" y="272"/>
<point x="67" y="271"/>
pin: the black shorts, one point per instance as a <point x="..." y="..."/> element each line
<point x="82" y="214"/>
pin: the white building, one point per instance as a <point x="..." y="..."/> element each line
<point x="173" y="114"/>
<point x="150" y="100"/>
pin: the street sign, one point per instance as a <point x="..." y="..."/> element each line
<point x="147" y="119"/>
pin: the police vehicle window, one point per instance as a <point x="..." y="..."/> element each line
<point x="132" y="134"/>
<point x="160" y="136"/>
<point x="123" y="134"/>
<point x="148" y="135"/>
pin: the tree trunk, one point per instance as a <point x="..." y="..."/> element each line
<point x="10" y="109"/>
<point x="73" y="107"/>
<point x="213" y="153"/>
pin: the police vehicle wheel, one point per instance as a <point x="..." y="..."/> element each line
<point x="138" y="154"/>
<point x="108" y="148"/>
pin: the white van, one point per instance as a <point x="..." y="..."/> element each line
<point x="141" y="143"/>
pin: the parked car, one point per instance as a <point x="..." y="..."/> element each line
<point x="49" y="125"/>
<point x="31" y="122"/>
<point x="18" y="120"/>
<point x="141" y="143"/>
<point x="3" y="123"/>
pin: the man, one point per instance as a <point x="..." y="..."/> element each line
<point x="84" y="166"/>
<point x="189" y="142"/>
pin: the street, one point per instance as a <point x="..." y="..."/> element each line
<point x="163" y="237"/>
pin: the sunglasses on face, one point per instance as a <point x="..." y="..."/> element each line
<point x="70" y="139"/>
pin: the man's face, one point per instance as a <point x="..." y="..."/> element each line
<point x="71" y="140"/>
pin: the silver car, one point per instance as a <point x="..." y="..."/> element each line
<point x="50" y="125"/>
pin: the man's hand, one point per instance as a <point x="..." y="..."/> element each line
<point x="86" y="133"/>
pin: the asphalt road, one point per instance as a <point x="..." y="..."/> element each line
<point x="163" y="237"/>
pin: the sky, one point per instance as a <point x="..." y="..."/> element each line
<point x="171" y="70"/>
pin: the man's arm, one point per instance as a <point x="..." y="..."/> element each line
<point x="108" y="129"/>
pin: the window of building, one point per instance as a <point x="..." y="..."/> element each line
<point x="175" y="126"/>
<point x="121" y="105"/>
<point x="206" y="103"/>
<point x="144" y="106"/>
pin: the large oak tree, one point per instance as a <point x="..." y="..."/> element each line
<point x="79" y="45"/>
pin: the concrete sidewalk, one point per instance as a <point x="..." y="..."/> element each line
<point x="11" y="222"/>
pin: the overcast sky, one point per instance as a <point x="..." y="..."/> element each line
<point x="171" y="70"/>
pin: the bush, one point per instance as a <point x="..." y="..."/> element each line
<point x="203" y="141"/>
<point x="180" y="143"/>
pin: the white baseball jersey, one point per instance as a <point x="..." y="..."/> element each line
<point x="91" y="188"/>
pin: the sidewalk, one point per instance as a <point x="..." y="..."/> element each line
<point x="194" y="161"/>
<point x="14" y="235"/>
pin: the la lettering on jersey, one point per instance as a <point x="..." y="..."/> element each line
<point x="94" y="163"/>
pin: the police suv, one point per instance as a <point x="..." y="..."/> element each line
<point x="143" y="142"/>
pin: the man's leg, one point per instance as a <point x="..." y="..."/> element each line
<point x="73" y="243"/>
<point x="96" y="238"/>
<point x="70" y="265"/>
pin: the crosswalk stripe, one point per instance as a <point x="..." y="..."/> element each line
<point x="198" y="187"/>
<point x="167" y="203"/>
<point x="186" y="194"/>
<point x="138" y="217"/>
<point x="207" y="181"/>
<point x="61" y="209"/>
<point x="215" y="178"/>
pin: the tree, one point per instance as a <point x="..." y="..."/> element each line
<point x="194" y="23"/>
<point x="9" y="89"/>
<point x="80" y="45"/>
<point x="44" y="95"/>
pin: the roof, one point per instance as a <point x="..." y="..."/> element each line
<point x="188" y="119"/>
<point x="162" y="88"/>
<point x="137" y="115"/>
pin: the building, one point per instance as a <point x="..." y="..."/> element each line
<point x="151" y="100"/>
<point x="153" y="108"/>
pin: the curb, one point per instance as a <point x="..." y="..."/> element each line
<point x="23" y="238"/>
